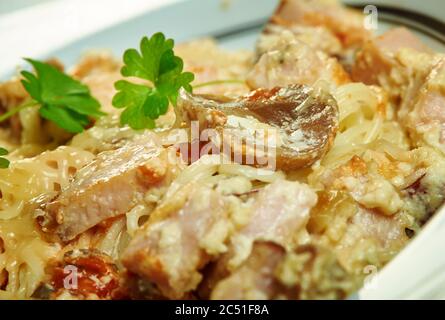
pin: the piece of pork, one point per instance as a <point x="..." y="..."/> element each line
<point x="424" y="116"/>
<point x="308" y="272"/>
<point x="318" y="38"/>
<point x="279" y="213"/>
<point x="99" y="71"/>
<point x="95" y="62"/>
<point x="387" y="231"/>
<point x="424" y="195"/>
<point x="377" y="62"/>
<point x="371" y="236"/>
<point x="179" y="240"/>
<point x="347" y="24"/>
<point x="102" y="88"/>
<point x="111" y="185"/>
<point x="360" y="215"/>
<point x="209" y="62"/>
<point x="80" y="274"/>
<point x="280" y="210"/>
<point x="291" y="61"/>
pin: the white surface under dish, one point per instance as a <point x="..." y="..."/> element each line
<point x="419" y="270"/>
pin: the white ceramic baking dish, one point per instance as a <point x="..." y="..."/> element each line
<point x="419" y="270"/>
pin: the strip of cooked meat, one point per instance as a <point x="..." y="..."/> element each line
<point x="209" y="62"/>
<point x="254" y="279"/>
<point x="12" y="94"/>
<point x="280" y="210"/>
<point x="99" y="71"/>
<point x="424" y="116"/>
<point x="110" y="186"/>
<point x="377" y="62"/>
<point x="291" y="61"/>
<point x="179" y="240"/>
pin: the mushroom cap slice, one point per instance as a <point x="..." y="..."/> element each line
<point x="305" y="120"/>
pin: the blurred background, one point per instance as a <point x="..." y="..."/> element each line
<point x="34" y="28"/>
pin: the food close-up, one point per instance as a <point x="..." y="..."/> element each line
<point x="183" y="169"/>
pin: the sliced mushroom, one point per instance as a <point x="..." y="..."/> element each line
<point x="303" y="119"/>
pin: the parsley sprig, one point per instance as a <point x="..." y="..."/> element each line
<point x="157" y="63"/>
<point x="4" y="163"/>
<point x="62" y="99"/>
<point x="69" y="104"/>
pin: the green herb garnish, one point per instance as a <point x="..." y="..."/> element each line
<point x="62" y="99"/>
<point x="157" y="63"/>
<point x="4" y="163"/>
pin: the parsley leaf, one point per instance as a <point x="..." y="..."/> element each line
<point x="62" y="99"/>
<point x="157" y="63"/>
<point x="4" y="163"/>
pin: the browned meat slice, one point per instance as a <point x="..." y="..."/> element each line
<point x="376" y="62"/>
<point x="369" y="236"/>
<point x="318" y="38"/>
<point x="110" y="186"/>
<point x="280" y="211"/>
<point x="348" y="25"/>
<point x="424" y="116"/>
<point x="424" y="195"/>
<point x="81" y="274"/>
<point x="291" y="61"/>
<point x="179" y="240"/>
<point x="12" y="94"/>
<point x="387" y="231"/>
<point x="309" y="272"/>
